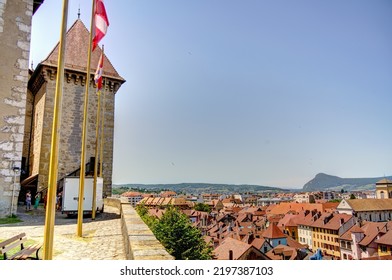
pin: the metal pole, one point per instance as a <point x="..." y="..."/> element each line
<point x="96" y="158"/>
<point x="102" y="132"/>
<point x="94" y="202"/>
<point x="15" y="169"/>
<point x="84" y="131"/>
<point x="53" y="163"/>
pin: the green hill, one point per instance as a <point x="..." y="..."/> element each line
<point x="324" y="181"/>
<point x="197" y="188"/>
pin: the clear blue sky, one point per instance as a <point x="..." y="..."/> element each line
<point x="254" y="92"/>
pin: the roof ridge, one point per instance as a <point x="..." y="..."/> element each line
<point x="76" y="53"/>
<point x="58" y="43"/>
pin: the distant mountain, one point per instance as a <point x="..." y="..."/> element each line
<point x="197" y="188"/>
<point x="328" y="182"/>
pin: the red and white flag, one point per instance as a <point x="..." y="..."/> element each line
<point x="99" y="72"/>
<point x="101" y="22"/>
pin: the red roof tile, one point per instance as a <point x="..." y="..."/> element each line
<point x="282" y="252"/>
<point x="230" y="244"/>
<point x="386" y="239"/>
<point x="273" y="232"/>
<point x="331" y="221"/>
<point x="371" y="230"/>
<point x="258" y="243"/>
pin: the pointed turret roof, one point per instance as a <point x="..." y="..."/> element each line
<point x="76" y="53"/>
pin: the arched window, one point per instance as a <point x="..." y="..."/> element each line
<point x="382" y="195"/>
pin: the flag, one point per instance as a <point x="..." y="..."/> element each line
<point x="98" y="73"/>
<point x="101" y="22"/>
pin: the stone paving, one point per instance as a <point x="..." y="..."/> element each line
<point x="101" y="240"/>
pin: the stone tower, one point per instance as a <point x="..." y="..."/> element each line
<point x="15" y="33"/>
<point x="39" y="112"/>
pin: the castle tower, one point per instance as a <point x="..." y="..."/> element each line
<point x="15" y="33"/>
<point x="39" y="111"/>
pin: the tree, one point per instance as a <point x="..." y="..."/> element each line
<point x="352" y="196"/>
<point x="182" y="240"/>
<point x="203" y="207"/>
<point x="149" y="220"/>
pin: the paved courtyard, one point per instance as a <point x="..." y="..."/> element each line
<point x="101" y="240"/>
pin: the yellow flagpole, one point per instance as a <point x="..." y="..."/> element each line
<point x="94" y="202"/>
<point x="102" y="131"/>
<point x="84" y="131"/>
<point x="53" y="163"/>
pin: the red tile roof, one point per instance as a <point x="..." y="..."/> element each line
<point x="230" y="244"/>
<point x="286" y="207"/>
<point x="306" y="220"/>
<point x="295" y="244"/>
<point x="131" y="194"/>
<point x="331" y="221"/>
<point x="273" y="232"/>
<point x="289" y="220"/>
<point x="258" y="243"/>
<point x="386" y="239"/>
<point x="372" y="229"/>
<point x="282" y="252"/>
<point x="353" y="229"/>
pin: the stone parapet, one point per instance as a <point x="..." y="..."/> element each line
<point x="139" y="241"/>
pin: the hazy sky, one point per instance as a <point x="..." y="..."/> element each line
<point x="244" y="92"/>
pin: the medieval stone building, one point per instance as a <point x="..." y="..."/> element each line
<point x="27" y="101"/>
<point x="15" y="33"/>
<point x="40" y="105"/>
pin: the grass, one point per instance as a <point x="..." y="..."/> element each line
<point x="12" y="219"/>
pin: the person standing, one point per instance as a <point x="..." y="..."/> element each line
<point x="37" y="199"/>
<point x="45" y="200"/>
<point x="28" y="201"/>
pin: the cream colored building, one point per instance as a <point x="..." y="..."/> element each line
<point x="384" y="189"/>
<point x="372" y="210"/>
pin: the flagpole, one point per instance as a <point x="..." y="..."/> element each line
<point x="96" y="149"/>
<point x="84" y="130"/>
<point x="53" y="162"/>
<point x="102" y="132"/>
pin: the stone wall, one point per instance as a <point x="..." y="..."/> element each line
<point x="140" y="242"/>
<point x="70" y="127"/>
<point x="15" y="31"/>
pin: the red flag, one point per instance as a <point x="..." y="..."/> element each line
<point x="98" y="73"/>
<point x="101" y="22"/>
